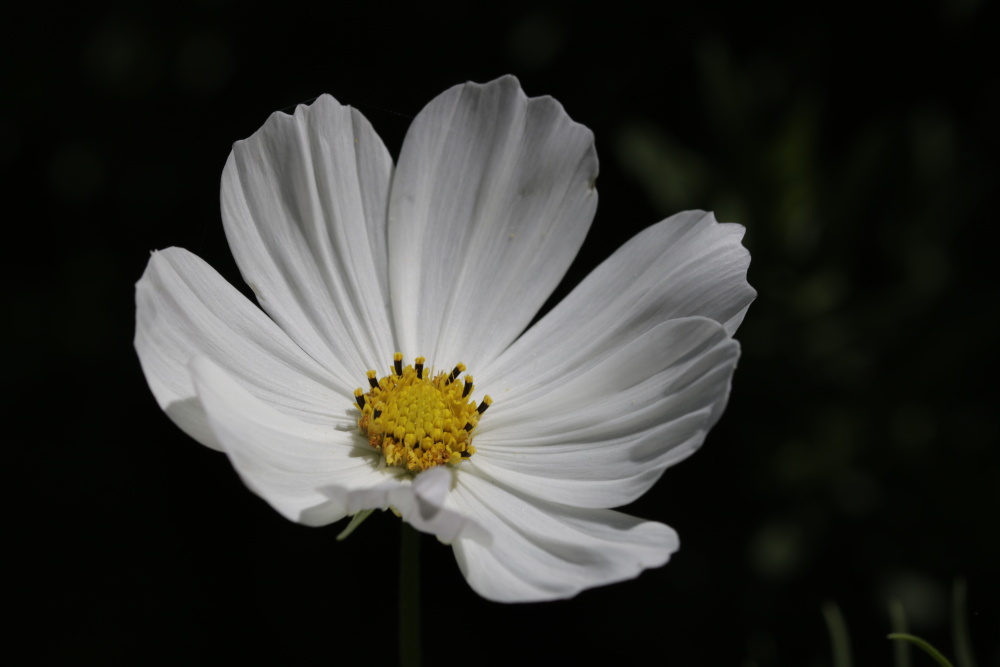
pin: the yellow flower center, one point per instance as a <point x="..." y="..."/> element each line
<point x="416" y="421"/>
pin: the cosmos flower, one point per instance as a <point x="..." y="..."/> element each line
<point x="394" y="310"/>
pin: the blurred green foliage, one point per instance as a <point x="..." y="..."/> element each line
<point x="866" y="392"/>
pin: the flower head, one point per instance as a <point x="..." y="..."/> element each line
<point x="385" y="288"/>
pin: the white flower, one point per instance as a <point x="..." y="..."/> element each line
<point x="449" y="256"/>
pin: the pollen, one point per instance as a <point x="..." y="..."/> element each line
<point x="417" y="419"/>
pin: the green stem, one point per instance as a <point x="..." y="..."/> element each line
<point x="927" y="648"/>
<point x="409" y="598"/>
<point x="960" y="627"/>
<point x="839" y="638"/>
<point x="897" y="618"/>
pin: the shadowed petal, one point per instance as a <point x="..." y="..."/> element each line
<point x="543" y="551"/>
<point x="283" y="460"/>
<point x="185" y="309"/>
<point x="303" y="202"/>
<point x="316" y="475"/>
<point x="491" y="200"/>
<point x="423" y="503"/>
<point x="601" y="434"/>
<point x="687" y="265"/>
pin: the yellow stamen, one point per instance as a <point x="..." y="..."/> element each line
<point x="416" y="421"/>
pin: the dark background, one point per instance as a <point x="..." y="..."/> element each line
<point x="857" y="462"/>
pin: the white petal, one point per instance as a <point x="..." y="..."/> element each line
<point x="687" y="265"/>
<point x="286" y="461"/>
<point x="303" y="202"/>
<point x="428" y="508"/>
<point x="602" y="433"/>
<point x="185" y="309"/>
<point x="315" y="474"/>
<point x="491" y="200"/>
<point x="544" y="551"/>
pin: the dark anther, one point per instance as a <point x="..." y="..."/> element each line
<point x="482" y="407"/>
<point x="465" y="455"/>
<point x="376" y="413"/>
<point x="468" y="388"/>
<point x="468" y="426"/>
<point x="420" y="371"/>
<point x="373" y="382"/>
<point x="454" y="374"/>
<point x="360" y="398"/>
<point x="398" y="364"/>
